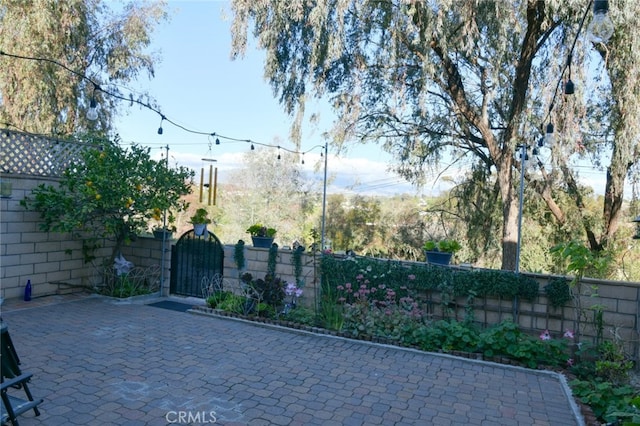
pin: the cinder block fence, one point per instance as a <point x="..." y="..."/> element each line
<point x="54" y="262"/>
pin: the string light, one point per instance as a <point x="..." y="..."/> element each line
<point x="131" y="100"/>
<point x="600" y="30"/>
<point x="160" y="128"/>
<point x="92" y="114"/>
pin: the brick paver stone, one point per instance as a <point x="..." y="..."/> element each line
<point x="98" y="362"/>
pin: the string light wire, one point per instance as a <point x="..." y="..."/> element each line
<point x="163" y="118"/>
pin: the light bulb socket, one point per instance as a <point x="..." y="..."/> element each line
<point x="569" y="88"/>
<point x="549" y="129"/>
<point x="601" y="6"/>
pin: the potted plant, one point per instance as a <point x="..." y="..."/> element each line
<point x="261" y="236"/>
<point x="439" y="252"/>
<point x="161" y="232"/>
<point x="200" y="220"/>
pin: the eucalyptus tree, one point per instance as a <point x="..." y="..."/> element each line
<point x="54" y="51"/>
<point x="456" y="80"/>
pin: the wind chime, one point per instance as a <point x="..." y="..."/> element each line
<point x="212" y="185"/>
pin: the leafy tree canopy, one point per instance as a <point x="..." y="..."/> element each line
<point x="89" y="40"/>
<point x="466" y="80"/>
<point x="113" y="194"/>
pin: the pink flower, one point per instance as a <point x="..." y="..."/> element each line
<point x="570" y="362"/>
<point x="340" y="288"/>
<point x="348" y="285"/>
<point x="341" y="299"/>
<point x="545" y="335"/>
<point x="359" y="277"/>
<point x="569" y="334"/>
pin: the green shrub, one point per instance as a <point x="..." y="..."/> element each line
<point x="301" y="315"/>
<point x="604" y="398"/>
<point x="558" y="292"/>
<point x="217" y="298"/>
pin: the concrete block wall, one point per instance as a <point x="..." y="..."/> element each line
<point x="52" y="261"/>
<point x="49" y="259"/>
<point x="256" y="260"/>
<point x="619" y="302"/>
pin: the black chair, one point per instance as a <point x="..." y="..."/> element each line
<point x="14" y="381"/>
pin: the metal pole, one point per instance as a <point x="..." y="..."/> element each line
<point x="324" y="199"/>
<point x="523" y="160"/>
<point x="164" y="235"/>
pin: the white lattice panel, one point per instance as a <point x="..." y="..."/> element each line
<point x="27" y="154"/>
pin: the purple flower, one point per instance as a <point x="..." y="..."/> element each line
<point x="545" y="335"/>
<point x="569" y="334"/>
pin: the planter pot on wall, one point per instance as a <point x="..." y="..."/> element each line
<point x="159" y="234"/>
<point x="263" y="242"/>
<point x="199" y="229"/>
<point x="438" y="257"/>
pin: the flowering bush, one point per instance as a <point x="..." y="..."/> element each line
<point x="291" y="290"/>
<point x="379" y="311"/>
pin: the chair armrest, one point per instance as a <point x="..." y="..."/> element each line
<point x="16" y="380"/>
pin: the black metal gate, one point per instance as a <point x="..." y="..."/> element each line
<point x="192" y="259"/>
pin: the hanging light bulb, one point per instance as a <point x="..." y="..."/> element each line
<point x="531" y="165"/>
<point x="601" y="28"/>
<point x="252" y="147"/>
<point x="160" y="131"/>
<point x="92" y="114"/>
<point x="549" y="137"/>
<point x="217" y="141"/>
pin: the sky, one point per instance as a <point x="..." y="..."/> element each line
<point x="199" y="87"/>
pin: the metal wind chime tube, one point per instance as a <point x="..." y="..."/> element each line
<point x="212" y="184"/>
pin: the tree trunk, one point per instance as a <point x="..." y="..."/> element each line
<point x="509" y="216"/>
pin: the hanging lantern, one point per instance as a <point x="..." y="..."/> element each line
<point x="637" y="222"/>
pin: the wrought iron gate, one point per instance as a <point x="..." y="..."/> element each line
<point x="192" y="259"/>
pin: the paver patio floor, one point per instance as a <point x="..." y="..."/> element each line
<point x="97" y="362"/>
